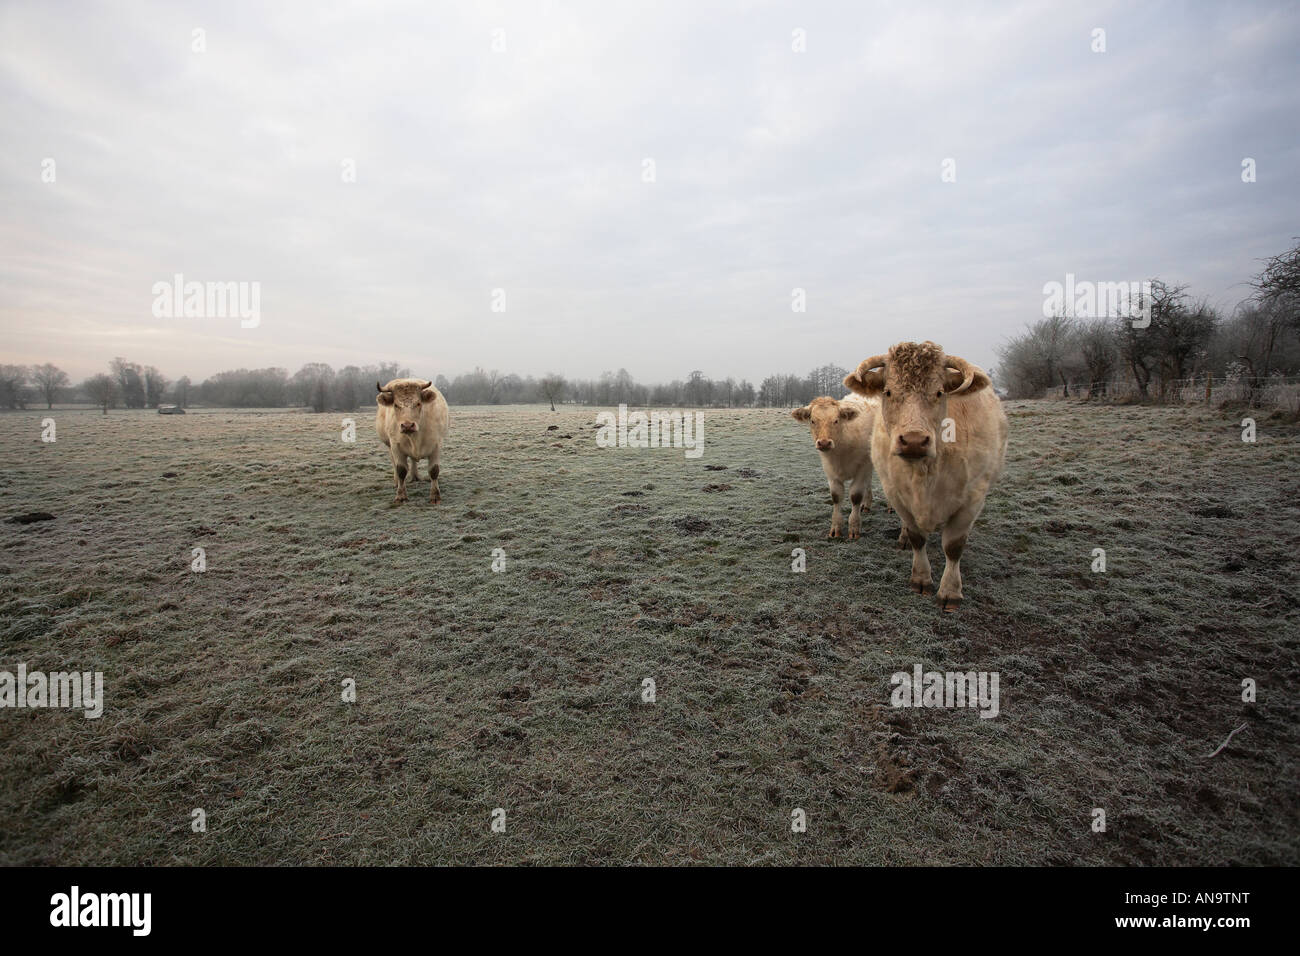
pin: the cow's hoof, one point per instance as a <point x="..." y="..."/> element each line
<point x="949" y="604"/>
<point x="854" y="534"/>
<point x="435" y="499"/>
<point x="903" y="542"/>
<point x="835" y="533"/>
<point x="921" y="587"/>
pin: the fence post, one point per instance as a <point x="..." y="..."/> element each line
<point x="1209" y="384"/>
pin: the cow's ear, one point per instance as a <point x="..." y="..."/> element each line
<point x="848" y="412"/>
<point x="801" y="414"/>
<point x="385" y="398"/>
<point x="965" y="381"/>
<point x="867" y="383"/>
<point x="428" y="395"/>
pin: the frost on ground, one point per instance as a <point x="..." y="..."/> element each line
<point x="522" y="689"/>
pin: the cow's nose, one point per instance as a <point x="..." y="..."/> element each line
<point x="913" y="444"/>
<point x="825" y="444"/>
<point x="408" y="427"/>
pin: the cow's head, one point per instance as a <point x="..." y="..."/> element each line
<point x="406" y="396"/>
<point x="825" y="417"/>
<point x="913" y="383"/>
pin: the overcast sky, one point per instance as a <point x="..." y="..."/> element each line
<point x="524" y="170"/>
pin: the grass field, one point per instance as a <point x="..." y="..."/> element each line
<point x="523" y="689"/>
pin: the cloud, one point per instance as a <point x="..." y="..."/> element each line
<point x="523" y="170"/>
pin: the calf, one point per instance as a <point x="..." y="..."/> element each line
<point x="412" y="420"/>
<point x="939" y="443"/>
<point x="841" y="431"/>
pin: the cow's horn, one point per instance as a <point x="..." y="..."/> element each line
<point x="380" y="387"/>
<point x="858" y="377"/>
<point x="866" y="365"/>
<point x="426" y="385"/>
<point x="963" y="366"/>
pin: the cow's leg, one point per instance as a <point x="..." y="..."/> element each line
<point x="412" y="469"/>
<point x="955" y="530"/>
<point x="954" y="542"/>
<point x="837" y="516"/>
<point x="861" y="493"/>
<point x="922" y="581"/>
<point x="399" y="474"/>
<point x="435" y="495"/>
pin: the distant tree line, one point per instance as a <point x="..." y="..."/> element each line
<point x="1185" y="339"/>
<point x="321" y="388"/>
<point x="695" y="390"/>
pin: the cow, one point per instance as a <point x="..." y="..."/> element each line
<point x="412" y="420"/>
<point x="841" y="430"/>
<point x="939" y="443"/>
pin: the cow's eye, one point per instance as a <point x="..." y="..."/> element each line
<point x="888" y="393"/>
<point x="939" y="394"/>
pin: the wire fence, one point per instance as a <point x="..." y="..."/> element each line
<point x="1275" y="391"/>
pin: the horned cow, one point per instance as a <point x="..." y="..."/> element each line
<point x="939" y="442"/>
<point x="412" y="419"/>
<point x="841" y="430"/>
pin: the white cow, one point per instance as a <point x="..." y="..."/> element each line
<point x="841" y="430"/>
<point x="412" y="420"/>
<point x="939" y="443"/>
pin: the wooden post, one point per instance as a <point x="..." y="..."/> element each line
<point x="1209" y="385"/>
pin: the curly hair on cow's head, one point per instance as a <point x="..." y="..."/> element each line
<point x="914" y="364"/>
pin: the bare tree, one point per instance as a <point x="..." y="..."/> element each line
<point x="1252" y="338"/>
<point x="1054" y="339"/>
<point x="252" y="388"/>
<point x="351" y="387"/>
<point x="102" y="390"/>
<point x="1185" y="332"/>
<point x="827" y="380"/>
<point x="1278" y="285"/>
<point x="1096" y="342"/>
<point x="49" y="378"/>
<point x="130" y="382"/>
<point x="155" y="387"/>
<point x="1142" y="348"/>
<point x="1266" y="321"/>
<point x="313" y="383"/>
<point x="387" y="371"/>
<point x="1039" y="357"/>
<point x="552" y="386"/>
<point x="13" y="378"/>
<point x="624" y="385"/>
